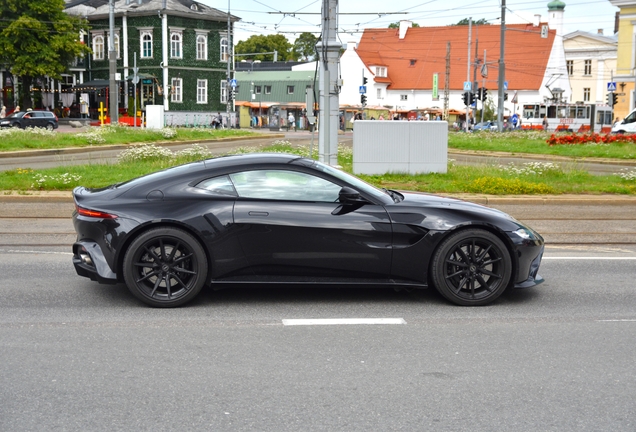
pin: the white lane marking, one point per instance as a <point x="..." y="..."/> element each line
<point x="342" y="321"/>
<point x="34" y="252"/>
<point x="588" y="258"/>
<point x="617" y="320"/>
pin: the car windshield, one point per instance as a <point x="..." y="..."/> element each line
<point x="358" y="184"/>
<point x="16" y="115"/>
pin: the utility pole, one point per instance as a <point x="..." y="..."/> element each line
<point x="470" y="34"/>
<point x="502" y="69"/>
<point x="446" y="82"/>
<point x="475" y="84"/>
<point x="113" y="89"/>
<point x="329" y="49"/>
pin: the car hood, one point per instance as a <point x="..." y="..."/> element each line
<point x="442" y="213"/>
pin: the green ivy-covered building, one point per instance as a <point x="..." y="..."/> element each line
<point x="181" y="49"/>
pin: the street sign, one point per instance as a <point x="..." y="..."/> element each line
<point x="611" y="86"/>
<point x="135" y="79"/>
<point x="514" y="98"/>
<point x="362" y="89"/>
<point x="468" y="85"/>
<point x="505" y="85"/>
<point x="233" y="82"/>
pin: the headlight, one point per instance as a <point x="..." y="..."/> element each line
<point x="525" y="234"/>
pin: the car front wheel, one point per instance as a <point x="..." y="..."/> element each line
<point x="50" y="126"/>
<point x="471" y="267"/>
<point x="165" y="267"/>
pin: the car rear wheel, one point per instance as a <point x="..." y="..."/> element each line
<point x="471" y="267"/>
<point x="165" y="267"/>
<point x="16" y="125"/>
<point x="50" y="126"/>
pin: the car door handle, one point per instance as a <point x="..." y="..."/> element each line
<point x="258" y="213"/>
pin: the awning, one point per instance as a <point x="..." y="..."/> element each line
<point x="91" y="85"/>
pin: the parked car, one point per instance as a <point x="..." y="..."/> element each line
<point x="280" y="219"/>
<point x="22" y="119"/>
<point x="487" y="125"/>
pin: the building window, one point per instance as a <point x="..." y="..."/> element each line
<point x="380" y="71"/>
<point x="224" y="92"/>
<point x="177" y="90"/>
<point x="268" y="89"/>
<point x="225" y="53"/>
<point x="98" y="47"/>
<point x="202" y="47"/>
<point x="290" y="89"/>
<point x="257" y="89"/>
<point x="586" y="94"/>
<point x="146" y="44"/>
<point x="378" y="93"/>
<point x="570" y="65"/>
<point x="404" y="97"/>
<point x="588" y="67"/>
<point x="412" y="62"/>
<point x="176" y="45"/>
<point x="202" y="91"/>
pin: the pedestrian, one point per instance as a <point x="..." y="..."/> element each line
<point x="545" y="122"/>
<point x="381" y="117"/>
<point x="3" y="112"/>
<point x="616" y="121"/>
<point x="17" y="108"/>
<point x="291" y="121"/>
<point x="219" y="121"/>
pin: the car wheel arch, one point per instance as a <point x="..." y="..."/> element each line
<point x="139" y="230"/>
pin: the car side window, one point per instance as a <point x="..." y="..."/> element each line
<point x="630" y="118"/>
<point x="284" y="185"/>
<point x="219" y="185"/>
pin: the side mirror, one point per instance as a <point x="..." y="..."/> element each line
<point x="349" y="195"/>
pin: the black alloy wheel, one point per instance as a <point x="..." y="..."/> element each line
<point x="471" y="267"/>
<point x="165" y="267"/>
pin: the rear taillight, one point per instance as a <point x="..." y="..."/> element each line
<point x="94" y="213"/>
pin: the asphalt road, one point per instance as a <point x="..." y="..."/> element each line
<point x="80" y="356"/>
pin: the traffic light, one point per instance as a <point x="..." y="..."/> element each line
<point x="472" y="98"/>
<point x="466" y="98"/>
<point x="614" y="99"/>
<point x="505" y="96"/>
<point x="480" y="93"/>
<point x="484" y="94"/>
<point x="610" y="99"/>
<point x="363" y="100"/>
<point x="364" y="80"/>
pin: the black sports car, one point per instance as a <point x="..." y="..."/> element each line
<point x="273" y="218"/>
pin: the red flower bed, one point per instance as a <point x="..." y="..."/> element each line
<point x="586" y="138"/>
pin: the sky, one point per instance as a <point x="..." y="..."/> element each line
<point x="292" y="18"/>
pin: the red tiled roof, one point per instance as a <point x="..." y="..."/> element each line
<point x="526" y="55"/>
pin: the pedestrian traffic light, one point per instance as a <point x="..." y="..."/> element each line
<point x="363" y="100"/>
<point x="466" y="98"/>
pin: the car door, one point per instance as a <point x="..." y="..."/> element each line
<point x="291" y="225"/>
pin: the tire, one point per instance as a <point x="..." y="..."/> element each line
<point x="165" y="267"/>
<point x="471" y="267"/>
<point x="16" y="125"/>
<point x="50" y="126"/>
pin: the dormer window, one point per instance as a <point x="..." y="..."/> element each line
<point x="194" y="7"/>
<point x="380" y="71"/>
<point x="413" y="62"/>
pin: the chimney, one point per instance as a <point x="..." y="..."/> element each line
<point x="600" y="31"/>
<point x="404" y="25"/>
<point x="536" y="20"/>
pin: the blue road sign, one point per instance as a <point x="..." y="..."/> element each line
<point x="468" y="85"/>
<point x="611" y="86"/>
<point x="505" y="85"/>
<point x="363" y="89"/>
<point x="233" y="82"/>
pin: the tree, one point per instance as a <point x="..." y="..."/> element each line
<point x="305" y="46"/>
<point x="396" y="25"/>
<point x="38" y="39"/>
<point x="481" y="21"/>
<point x="265" y="44"/>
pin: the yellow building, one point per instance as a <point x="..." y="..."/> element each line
<point x="625" y="75"/>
